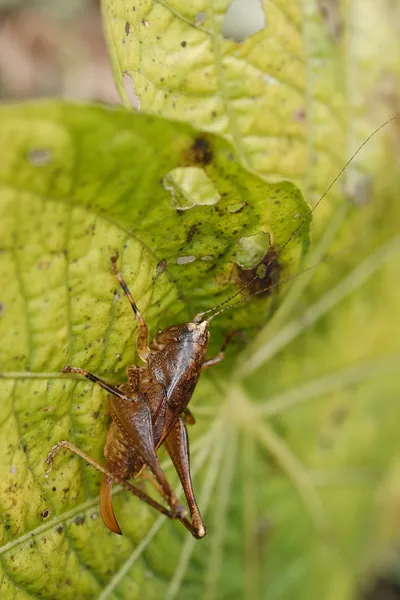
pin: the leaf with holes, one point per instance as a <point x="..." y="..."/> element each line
<point x="248" y="71"/>
<point x="295" y="93"/>
<point x="76" y="184"/>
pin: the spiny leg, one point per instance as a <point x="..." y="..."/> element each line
<point x="185" y="521"/>
<point x="141" y="344"/>
<point x="107" y="386"/>
<point x="214" y="360"/>
<point x="127" y="486"/>
<point x="177" y="446"/>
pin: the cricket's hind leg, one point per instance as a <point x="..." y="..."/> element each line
<point x="177" y="446"/>
<point x="134" y="420"/>
<point x="108" y="474"/>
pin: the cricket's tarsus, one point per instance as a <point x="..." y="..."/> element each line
<point x="151" y="409"/>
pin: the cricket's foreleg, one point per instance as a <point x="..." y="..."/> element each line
<point x="112" y="476"/>
<point x="142" y="348"/>
<point x="177" y="445"/>
<point x="214" y="360"/>
<point x="107" y="386"/>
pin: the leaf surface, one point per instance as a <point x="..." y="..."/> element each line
<point x="296" y="99"/>
<point x="78" y="183"/>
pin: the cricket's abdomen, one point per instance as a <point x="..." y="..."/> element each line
<point x="120" y="455"/>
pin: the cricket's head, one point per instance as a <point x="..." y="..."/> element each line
<point x="195" y="332"/>
<point x="199" y="330"/>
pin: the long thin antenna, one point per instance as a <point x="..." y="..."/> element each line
<point x="276" y="284"/>
<point x="292" y="235"/>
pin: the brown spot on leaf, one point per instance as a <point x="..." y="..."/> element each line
<point x="268" y="271"/>
<point x="200" y="152"/>
<point x="193" y="229"/>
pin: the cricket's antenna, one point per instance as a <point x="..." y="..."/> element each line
<point x="200" y="316"/>
<point x="275" y="284"/>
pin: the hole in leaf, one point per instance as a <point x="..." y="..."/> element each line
<point x="252" y="249"/>
<point x="200" y="18"/>
<point x="242" y="19"/>
<point x="185" y="260"/>
<point x="129" y="87"/>
<point x="237" y="207"/>
<point x="189" y="187"/>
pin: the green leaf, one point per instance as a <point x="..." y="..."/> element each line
<point x="77" y="183"/>
<point x="295" y="451"/>
<point x="263" y="94"/>
<point x="311" y="504"/>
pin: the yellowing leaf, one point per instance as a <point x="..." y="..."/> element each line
<point x="77" y="183"/>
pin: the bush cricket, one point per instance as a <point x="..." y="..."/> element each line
<point x="151" y="408"/>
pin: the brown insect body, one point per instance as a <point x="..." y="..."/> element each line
<point x="149" y="411"/>
<point x="163" y="389"/>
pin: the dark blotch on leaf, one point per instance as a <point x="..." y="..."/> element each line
<point x="127" y="28"/>
<point x="45" y="513"/>
<point x="268" y="278"/>
<point x="60" y="529"/>
<point x="79" y="520"/>
<point x="193" y="229"/>
<point x="200" y="152"/>
<point x="183" y="44"/>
